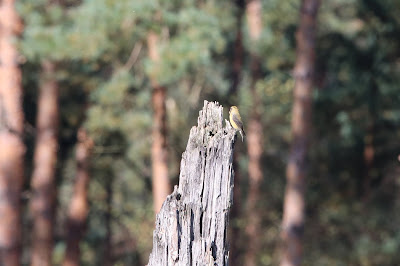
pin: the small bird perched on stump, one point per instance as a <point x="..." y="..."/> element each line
<point x="236" y="120"/>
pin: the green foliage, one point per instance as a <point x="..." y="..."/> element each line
<point x="103" y="70"/>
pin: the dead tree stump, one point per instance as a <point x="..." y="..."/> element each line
<point x="191" y="226"/>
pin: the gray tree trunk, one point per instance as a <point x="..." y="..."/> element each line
<point x="191" y="226"/>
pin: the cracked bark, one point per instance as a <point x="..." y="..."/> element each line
<point x="191" y="226"/>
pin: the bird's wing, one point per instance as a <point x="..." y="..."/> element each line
<point x="237" y="122"/>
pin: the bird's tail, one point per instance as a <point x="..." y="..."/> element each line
<point x="242" y="133"/>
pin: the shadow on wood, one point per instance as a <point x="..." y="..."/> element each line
<point x="191" y="226"/>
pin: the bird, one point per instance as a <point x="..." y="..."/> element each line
<point x="236" y="120"/>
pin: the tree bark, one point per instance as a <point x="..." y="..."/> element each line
<point x="253" y="225"/>
<point x="79" y="208"/>
<point x="192" y="224"/>
<point x="294" y="203"/>
<point x="45" y="159"/>
<point x="108" y="248"/>
<point x="159" y="151"/>
<point x="254" y="138"/>
<point x="236" y="232"/>
<point x="369" y="147"/>
<point x="237" y="49"/>
<point x="12" y="149"/>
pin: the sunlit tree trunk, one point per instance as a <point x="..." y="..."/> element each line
<point x="159" y="152"/>
<point x="78" y="208"/>
<point x="294" y="204"/>
<point x="254" y="137"/>
<point x="45" y="160"/>
<point x="12" y="148"/>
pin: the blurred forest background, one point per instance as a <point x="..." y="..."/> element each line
<point x="111" y="89"/>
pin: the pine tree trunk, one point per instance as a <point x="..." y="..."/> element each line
<point x="253" y="225"/>
<point x="192" y="225"/>
<point x="108" y="248"/>
<point x="12" y="149"/>
<point x="45" y="160"/>
<point x="254" y="138"/>
<point x="294" y="204"/>
<point x="79" y="208"/>
<point x="369" y="147"/>
<point x="238" y="50"/>
<point x="159" y="152"/>
<point x="236" y="232"/>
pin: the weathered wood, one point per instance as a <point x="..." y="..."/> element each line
<point x="191" y="226"/>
